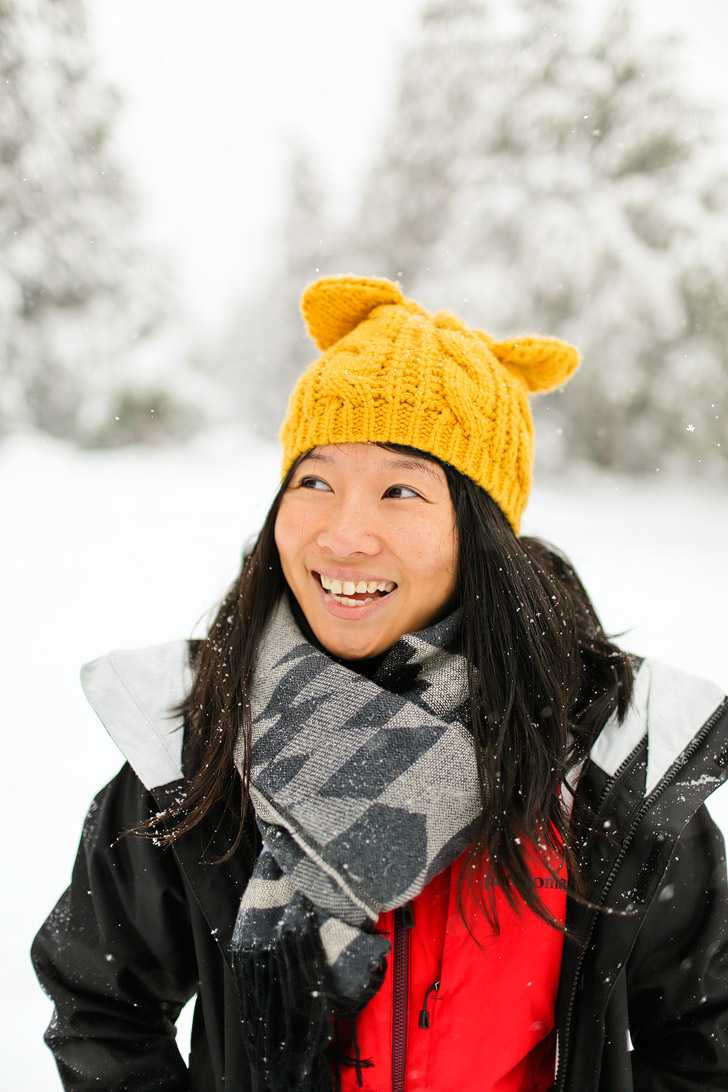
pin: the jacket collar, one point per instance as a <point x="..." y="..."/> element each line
<point x="134" y="693"/>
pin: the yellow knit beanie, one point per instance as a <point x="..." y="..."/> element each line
<point x="393" y="373"/>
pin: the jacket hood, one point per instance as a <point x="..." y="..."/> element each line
<point x="134" y="694"/>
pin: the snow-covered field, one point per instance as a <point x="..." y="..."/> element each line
<point x="129" y="548"/>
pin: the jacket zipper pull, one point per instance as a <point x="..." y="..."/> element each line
<point x="424" y="1014"/>
<point x="407" y="916"/>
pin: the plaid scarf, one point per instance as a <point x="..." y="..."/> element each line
<point x="364" y="789"/>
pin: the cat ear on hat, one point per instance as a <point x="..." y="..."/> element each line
<point x="544" y="362"/>
<point x="333" y="306"/>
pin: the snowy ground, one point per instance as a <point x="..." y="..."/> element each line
<point x="130" y="548"/>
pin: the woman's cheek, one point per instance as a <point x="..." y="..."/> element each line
<point x="290" y="527"/>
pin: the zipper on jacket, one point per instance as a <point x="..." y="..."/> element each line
<point x="404" y="919"/>
<point x="669" y="777"/>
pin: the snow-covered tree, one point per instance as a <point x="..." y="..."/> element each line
<point x="405" y="208"/>
<point x="266" y="346"/>
<point x="90" y="346"/>
<point x="541" y="172"/>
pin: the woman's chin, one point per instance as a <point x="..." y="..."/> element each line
<point x="343" y="647"/>
<point x="352" y="639"/>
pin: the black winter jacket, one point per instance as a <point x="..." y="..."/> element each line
<point x="643" y="1002"/>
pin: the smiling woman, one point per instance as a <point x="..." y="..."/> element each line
<point x="361" y="816"/>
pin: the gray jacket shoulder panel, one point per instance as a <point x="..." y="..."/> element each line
<point x="670" y="708"/>
<point x="133" y="693"/>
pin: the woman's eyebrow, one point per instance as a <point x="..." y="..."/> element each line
<point x="310" y="455"/>
<point x="422" y="465"/>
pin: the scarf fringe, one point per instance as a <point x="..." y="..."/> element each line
<point x="287" y="1012"/>
<point x="289" y="1007"/>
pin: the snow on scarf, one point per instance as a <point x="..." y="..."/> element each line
<point x="364" y="789"/>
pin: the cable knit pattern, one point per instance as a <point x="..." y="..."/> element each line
<point x="393" y="373"/>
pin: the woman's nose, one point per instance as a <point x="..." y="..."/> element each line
<point x="347" y="529"/>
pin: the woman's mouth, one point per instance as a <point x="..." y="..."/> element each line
<point x="350" y="593"/>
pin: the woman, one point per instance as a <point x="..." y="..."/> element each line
<point x="425" y="826"/>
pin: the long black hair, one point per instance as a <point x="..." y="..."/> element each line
<point x="543" y="678"/>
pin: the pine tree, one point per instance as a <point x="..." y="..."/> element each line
<point x="90" y="346"/>
<point x="266" y="347"/>
<point x="575" y="190"/>
<point x="406" y="204"/>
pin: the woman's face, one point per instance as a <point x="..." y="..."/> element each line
<point x="368" y="546"/>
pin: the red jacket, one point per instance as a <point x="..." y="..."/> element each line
<point x="454" y="1012"/>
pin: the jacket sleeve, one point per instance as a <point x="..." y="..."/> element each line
<point x="116" y="955"/>
<point x="678" y="972"/>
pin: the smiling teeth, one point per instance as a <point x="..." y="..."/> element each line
<point x="348" y="587"/>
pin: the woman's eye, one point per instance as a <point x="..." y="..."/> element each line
<point x="312" y="483"/>
<point x="401" y="492"/>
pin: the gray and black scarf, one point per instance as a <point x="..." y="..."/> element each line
<point x="364" y="789"/>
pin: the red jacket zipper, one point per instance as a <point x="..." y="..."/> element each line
<point x="404" y="919"/>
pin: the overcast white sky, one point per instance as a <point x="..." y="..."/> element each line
<point x="213" y="92"/>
